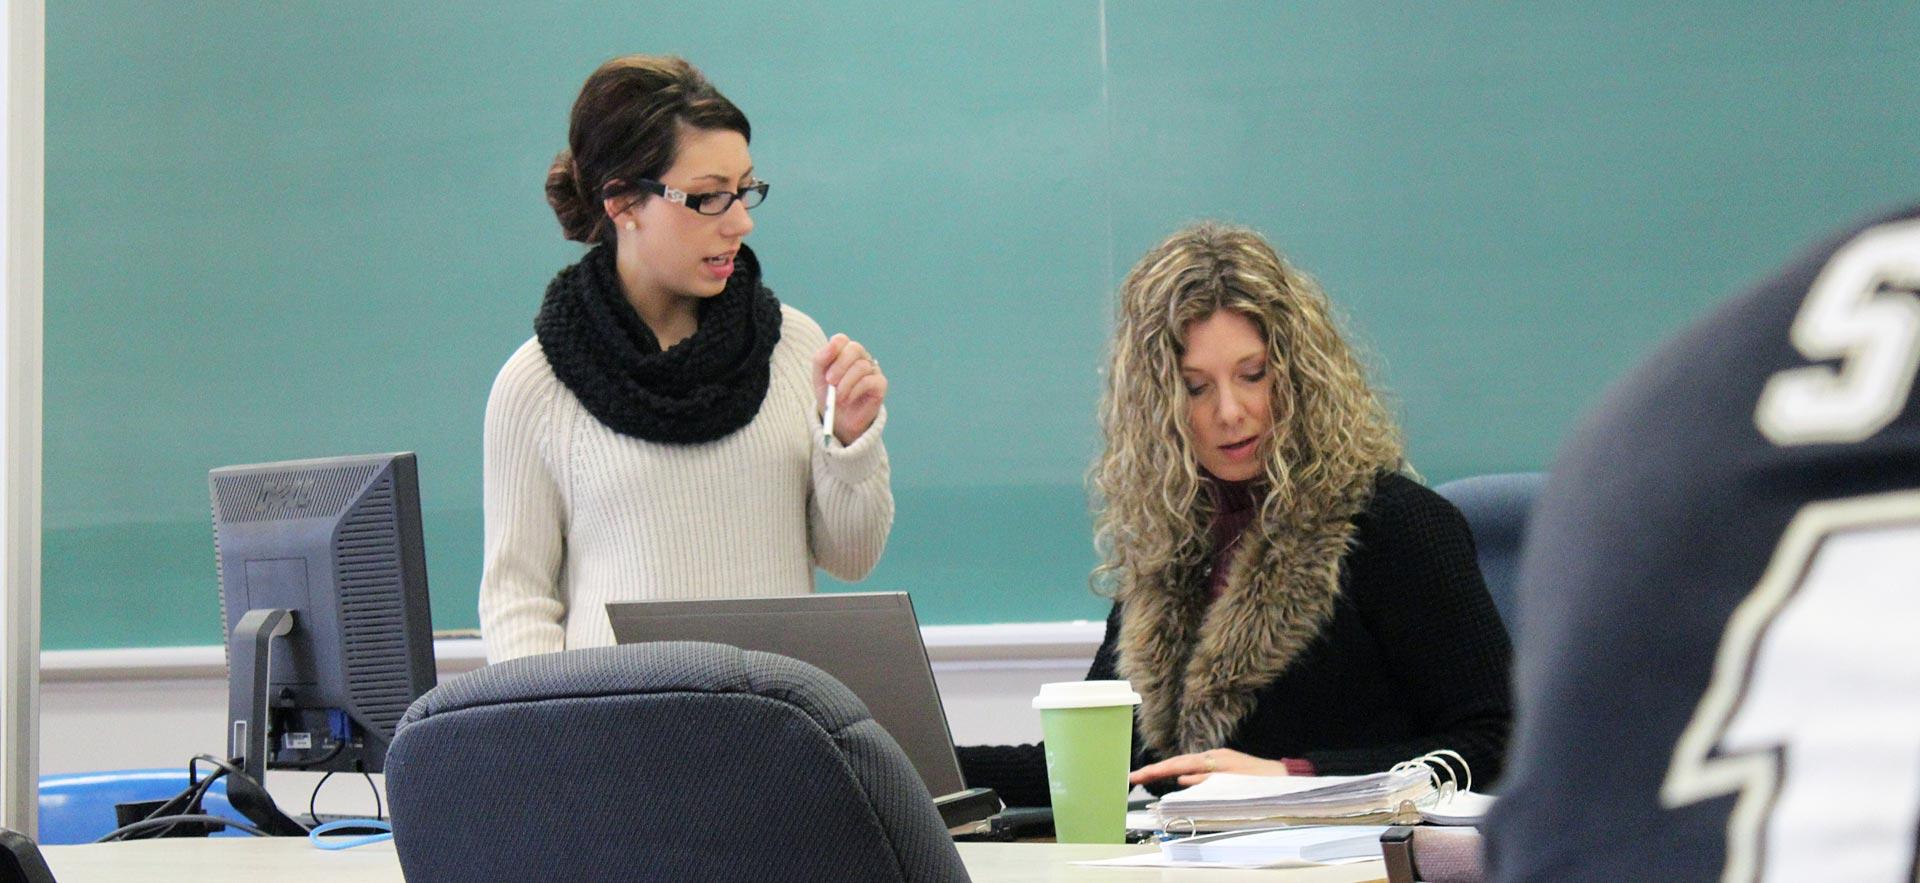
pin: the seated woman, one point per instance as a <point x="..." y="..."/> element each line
<point x="1286" y="600"/>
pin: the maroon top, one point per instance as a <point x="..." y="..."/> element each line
<point x="1235" y="506"/>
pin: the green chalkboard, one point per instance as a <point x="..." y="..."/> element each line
<point x="294" y="230"/>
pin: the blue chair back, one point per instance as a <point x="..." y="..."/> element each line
<point x="78" y="807"/>
<point x="1496" y="508"/>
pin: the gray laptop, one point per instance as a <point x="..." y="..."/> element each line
<point x="868" y="641"/>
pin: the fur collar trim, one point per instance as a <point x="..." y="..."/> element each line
<point x="1199" y="666"/>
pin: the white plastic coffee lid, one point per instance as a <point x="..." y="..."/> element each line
<point x="1086" y="694"/>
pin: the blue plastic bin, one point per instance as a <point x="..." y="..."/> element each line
<point x="78" y="807"/>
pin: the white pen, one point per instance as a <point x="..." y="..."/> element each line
<point x="826" y="419"/>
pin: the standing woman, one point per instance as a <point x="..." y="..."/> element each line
<point x="661" y="435"/>
<point x="1286" y="600"/>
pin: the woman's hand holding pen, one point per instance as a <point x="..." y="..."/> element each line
<point x="1194" y="768"/>
<point x="859" y="387"/>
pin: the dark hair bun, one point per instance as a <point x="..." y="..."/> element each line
<point x="581" y="219"/>
<point x="626" y="126"/>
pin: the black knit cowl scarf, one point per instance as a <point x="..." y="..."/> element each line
<point x="702" y="389"/>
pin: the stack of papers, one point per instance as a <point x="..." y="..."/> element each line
<point x="1307" y="843"/>
<point x="1227" y="801"/>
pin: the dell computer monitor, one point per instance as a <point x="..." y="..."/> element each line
<point x="323" y="579"/>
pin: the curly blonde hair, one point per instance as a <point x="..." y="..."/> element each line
<point x="1332" y="434"/>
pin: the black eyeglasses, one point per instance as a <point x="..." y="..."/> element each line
<point x="715" y="203"/>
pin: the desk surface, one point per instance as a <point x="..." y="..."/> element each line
<point x="292" y="860"/>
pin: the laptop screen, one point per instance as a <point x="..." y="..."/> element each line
<point x="868" y="641"/>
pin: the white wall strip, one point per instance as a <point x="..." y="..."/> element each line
<point x="1008" y="646"/>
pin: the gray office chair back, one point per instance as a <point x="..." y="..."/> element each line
<point x="1496" y="508"/>
<point x="669" y="761"/>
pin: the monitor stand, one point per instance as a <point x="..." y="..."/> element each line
<point x="249" y="655"/>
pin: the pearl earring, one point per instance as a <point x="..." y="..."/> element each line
<point x="629" y="225"/>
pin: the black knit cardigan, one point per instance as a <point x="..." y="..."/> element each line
<point x="1414" y="659"/>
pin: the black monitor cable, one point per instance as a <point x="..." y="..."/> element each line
<point x="187" y="802"/>
<point x="185" y="807"/>
<point x="379" y="812"/>
<point x="378" y="828"/>
<point x="123" y="831"/>
<point x="196" y="794"/>
<point x="379" y="809"/>
<point x="251" y="800"/>
<point x="313" y="800"/>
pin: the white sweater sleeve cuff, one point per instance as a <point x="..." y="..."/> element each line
<point x="855" y="463"/>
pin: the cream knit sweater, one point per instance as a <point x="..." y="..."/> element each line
<point x="578" y="515"/>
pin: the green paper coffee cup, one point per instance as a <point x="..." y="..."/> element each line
<point x="1089" y="732"/>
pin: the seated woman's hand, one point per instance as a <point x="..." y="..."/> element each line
<point x="1192" y="769"/>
